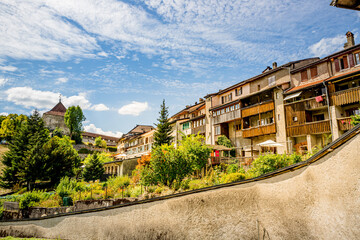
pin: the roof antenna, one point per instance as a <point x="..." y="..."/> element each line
<point x="60" y="97"/>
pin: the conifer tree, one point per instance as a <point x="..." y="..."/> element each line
<point x="94" y="170"/>
<point x="164" y="128"/>
<point x="24" y="161"/>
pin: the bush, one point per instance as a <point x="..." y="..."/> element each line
<point x="85" y="151"/>
<point x="196" y="184"/>
<point x="115" y="183"/>
<point x="232" y="177"/>
<point x="232" y="168"/>
<point x="112" y="149"/>
<point x="31" y="199"/>
<point x="69" y="186"/>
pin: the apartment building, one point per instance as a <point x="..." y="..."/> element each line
<point x="137" y="142"/>
<point x="323" y="96"/>
<point x="252" y="112"/>
<point x="190" y="120"/>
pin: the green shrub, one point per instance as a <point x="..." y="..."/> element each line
<point x="159" y="190"/>
<point x="112" y="149"/>
<point x="69" y="186"/>
<point x="232" y="177"/>
<point x="118" y="182"/>
<point x="31" y="199"/>
<point x="85" y="151"/>
<point x="232" y="168"/>
<point x="135" y="191"/>
<point x="196" y="184"/>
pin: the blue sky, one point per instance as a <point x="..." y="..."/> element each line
<point x="119" y="59"/>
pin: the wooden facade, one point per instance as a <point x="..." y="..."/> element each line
<point x="260" y="108"/>
<point x="227" y="117"/>
<point x="344" y="123"/>
<point x="198" y="130"/>
<point x="309" y="128"/>
<point x="347" y="96"/>
<point x="258" y="131"/>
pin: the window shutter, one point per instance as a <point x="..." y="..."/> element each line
<point x="351" y="60"/>
<point x="346" y="65"/>
<point x="304" y="76"/>
<point x="313" y="72"/>
<point x="337" y="66"/>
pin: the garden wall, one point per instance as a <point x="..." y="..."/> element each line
<point x="320" y="201"/>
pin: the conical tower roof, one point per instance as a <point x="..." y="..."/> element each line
<point x="59" y="110"/>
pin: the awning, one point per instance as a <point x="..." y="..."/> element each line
<point x="270" y="143"/>
<point x="294" y="95"/>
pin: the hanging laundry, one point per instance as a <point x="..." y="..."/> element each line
<point x="319" y="99"/>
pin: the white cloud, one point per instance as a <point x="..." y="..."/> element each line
<point x="33" y="30"/>
<point x="103" y="54"/>
<point x="8" y="68"/>
<point x="28" y="97"/>
<point x="4" y="114"/>
<point x="3" y="81"/>
<point x="61" y="80"/>
<point x="100" y="107"/>
<point x="93" y="129"/>
<point x="134" y="108"/>
<point x="327" y="45"/>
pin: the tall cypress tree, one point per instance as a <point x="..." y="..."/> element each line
<point x="94" y="170"/>
<point x="164" y="128"/>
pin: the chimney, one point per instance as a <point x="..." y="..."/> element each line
<point x="274" y="65"/>
<point x="350" y="40"/>
<point x="201" y="100"/>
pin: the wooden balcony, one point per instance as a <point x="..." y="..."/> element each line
<point x="309" y="128"/>
<point x="347" y="96"/>
<point x="344" y="123"/>
<point x="260" y="108"/>
<point x="200" y="129"/>
<point x="227" y="117"/>
<point x="258" y="131"/>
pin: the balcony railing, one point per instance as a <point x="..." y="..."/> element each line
<point x="197" y="130"/>
<point x="260" y="108"/>
<point x="344" y="123"/>
<point x="227" y="117"/>
<point x="346" y="96"/>
<point x="258" y="131"/>
<point x="311" y="103"/>
<point x="309" y="128"/>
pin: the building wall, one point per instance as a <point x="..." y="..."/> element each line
<point x="54" y="121"/>
<point x="280" y="120"/>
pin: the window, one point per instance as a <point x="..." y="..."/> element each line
<point x="313" y="72"/>
<point x="227" y="109"/>
<point x="230" y="97"/>
<point x="222" y="111"/>
<point x="278" y="117"/>
<point x="217" y="130"/>
<point x="319" y="117"/>
<point x="271" y="80"/>
<point x="357" y="58"/>
<point x="223" y="99"/>
<point x="186" y="126"/>
<point x="295" y="119"/>
<point x="277" y="95"/>
<point x="232" y="108"/>
<point x="214" y="114"/>
<point x="218" y="112"/>
<point x="237" y="127"/>
<point x="304" y="76"/>
<point x="258" y="87"/>
<point x="238" y="91"/>
<point x="204" y="121"/>
<point x="237" y="106"/>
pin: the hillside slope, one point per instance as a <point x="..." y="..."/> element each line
<point x="320" y="201"/>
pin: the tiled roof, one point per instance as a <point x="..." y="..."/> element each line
<point x="89" y="134"/>
<point x="344" y="75"/>
<point x="306" y="85"/>
<point x="58" y="110"/>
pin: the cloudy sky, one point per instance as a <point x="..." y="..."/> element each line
<point x="119" y="59"/>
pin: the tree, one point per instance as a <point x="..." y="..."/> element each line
<point x="58" y="132"/>
<point x="99" y="142"/>
<point x="224" y="141"/>
<point x="94" y="170"/>
<point x="164" y="128"/>
<point x="73" y="120"/>
<point x="24" y="162"/>
<point x="169" y="164"/>
<point x="9" y="125"/>
<point x="61" y="159"/>
<point x="355" y="119"/>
